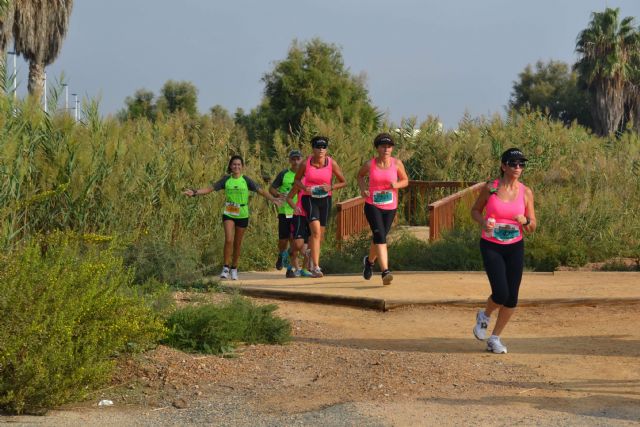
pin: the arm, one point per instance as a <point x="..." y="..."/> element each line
<point x="529" y="213"/>
<point x="362" y="174"/>
<point x="264" y="193"/>
<point x="273" y="189"/>
<point x="337" y="172"/>
<point x="297" y="182"/>
<point x="403" y="179"/>
<point x="478" y="207"/>
<point x="193" y="192"/>
<point x="289" y="199"/>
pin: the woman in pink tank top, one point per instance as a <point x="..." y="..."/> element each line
<point x="318" y="172"/>
<point x="386" y="175"/>
<point x="505" y="210"/>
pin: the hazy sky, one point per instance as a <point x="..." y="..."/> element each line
<point x="420" y="57"/>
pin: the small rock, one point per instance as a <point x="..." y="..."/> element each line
<point x="105" y="402"/>
<point x="180" y="404"/>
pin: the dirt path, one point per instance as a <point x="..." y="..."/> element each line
<point x="415" y="366"/>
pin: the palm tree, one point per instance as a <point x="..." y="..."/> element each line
<point x="38" y="30"/>
<point x="6" y="24"/>
<point x="605" y="64"/>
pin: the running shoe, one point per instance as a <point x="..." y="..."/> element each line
<point x="306" y="273"/>
<point x="367" y="268"/>
<point x="387" y="277"/>
<point x="495" y="345"/>
<point x="317" y="272"/>
<point x="482" y="323"/>
<point x="290" y="273"/>
<point x="279" y="261"/>
<point x="225" y="273"/>
<point x="297" y="272"/>
<point x="234" y="274"/>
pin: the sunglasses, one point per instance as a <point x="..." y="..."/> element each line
<point x="515" y="164"/>
<point x="320" y="146"/>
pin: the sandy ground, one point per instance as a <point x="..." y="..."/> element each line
<point x="412" y="366"/>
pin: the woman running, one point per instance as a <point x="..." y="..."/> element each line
<point x="299" y="233"/>
<point x="386" y="175"/>
<point x="318" y="172"/>
<point x="504" y="209"/>
<point x="235" y="217"/>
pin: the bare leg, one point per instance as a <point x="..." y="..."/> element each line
<point x="229" y="234"/>
<point x="282" y="244"/>
<point x="314" y="242"/>
<point x="237" y="243"/>
<point x="296" y="248"/>
<point x="504" y="314"/>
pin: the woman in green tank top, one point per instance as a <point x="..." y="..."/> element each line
<point x="235" y="216"/>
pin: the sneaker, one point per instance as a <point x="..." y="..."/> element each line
<point x="279" y="261"/>
<point x="482" y="323"/>
<point x="387" y="277"/>
<point x="290" y="273"/>
<point x="306" y="273"/>
<point x="495" y="345"/>
<point x="225" y="273"/>
<point x="367" y="268"/>
<point x="317" y="272"/>
<point x="234" y="274"/>
<point x="297" y="273"/>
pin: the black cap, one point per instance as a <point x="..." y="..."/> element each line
<point x="383" y="138"/>
<point x="513" y="154"/>
<point x="295" y="153"/>
<point x="319" y="141"/>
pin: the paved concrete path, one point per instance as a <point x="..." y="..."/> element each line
<point x="438" y="288"/>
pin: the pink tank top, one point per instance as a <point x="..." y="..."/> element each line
<point x="380" y="193"/>
<point x="507" y="230"/>
<point x="317" y="176"/>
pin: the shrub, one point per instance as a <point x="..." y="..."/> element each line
<point x="67" y="311"/>
<point x="216" y="329"/>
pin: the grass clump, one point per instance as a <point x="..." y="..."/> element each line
<point x="216" y="329"/>
<point x="67" y="310"/>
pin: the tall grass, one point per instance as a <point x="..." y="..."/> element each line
<point x="109" y="178"/>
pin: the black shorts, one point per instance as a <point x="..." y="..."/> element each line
<point x="380" y="221"/>
<point x="317" y="209"/>
<point x="300" y="228"/>
<point x="239" y="222"/>
<point x="285" y="225"/>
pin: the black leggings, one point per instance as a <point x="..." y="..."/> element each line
<point x="504" y="265"/>
<point x="380" y="221"/>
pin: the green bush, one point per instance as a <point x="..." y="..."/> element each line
<point x="67" y="310"/>
<point x="216" y="329"/>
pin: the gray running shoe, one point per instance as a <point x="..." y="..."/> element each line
<point x="482" y="323"/>
<point x="225" y="273"/>
<point x="495" y="345"/>
<point x="387" y="277"/>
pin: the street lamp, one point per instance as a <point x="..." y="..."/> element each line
<point x="76" y="105"/>
<point x="66" y="97"/>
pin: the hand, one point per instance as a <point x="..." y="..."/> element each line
<point x="190" y="192"/>
<point x="298" y="211"/>
<point x="393" y="185"/>
<point x="522" y="220"/>
<point x="365" y="193"/>
<point x="278" y="202"/>
<point x="326" y="187"/>
<point x="490" y="224"/>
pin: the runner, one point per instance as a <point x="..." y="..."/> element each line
<point x="508" y="211"/>
<point x="235" y="217"/>
<point x="318" y="171"/>
<point x="386" y="175"/>
<point x="300" y="233"/>
<point x="281" y="187"/>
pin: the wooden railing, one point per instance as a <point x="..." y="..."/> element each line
<point x="350" y="217"/>
<point x="442" y="212"/>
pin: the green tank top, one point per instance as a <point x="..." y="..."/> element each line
<point x="236" y="192"/>
<point x="285" y="187"/>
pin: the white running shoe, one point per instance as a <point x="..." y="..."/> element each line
<point x="495" y="345"/>
<point x="317" y="272"/>
<point x="225" y="273"/>
<point x="234" y="274"/>
<point x="482" y="323"/>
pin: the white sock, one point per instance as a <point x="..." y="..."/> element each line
<point x="494" y="337"/>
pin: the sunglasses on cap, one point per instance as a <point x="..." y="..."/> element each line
<point x="517" y="163"/>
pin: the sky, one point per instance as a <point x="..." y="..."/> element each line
<point x="421" y="57"/>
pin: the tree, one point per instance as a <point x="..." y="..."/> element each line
<point x="606" y="49"/>
<point x="552" y="87"/>
<point x="39" y="28"/>
<point x="178" y="96"/>
<point x="314" y="77"/>
<point x="141" y="104"/>
<point x="6" y="24"/>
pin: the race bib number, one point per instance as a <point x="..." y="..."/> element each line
<point x="382" y="197"/>
<point x="318" y="192"/>
<point x="506" y="232"/>
<point x="288" y="216"/>
<point x="231" y="209"/>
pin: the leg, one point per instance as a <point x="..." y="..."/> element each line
<point x="314" y="242"/>
<point x="514" y="262"/>
<point x="229" y="233"/>
<point x="237" y="243"/>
